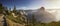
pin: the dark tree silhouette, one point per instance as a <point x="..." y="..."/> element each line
<point x="14" y="10"/>
<point x="33" y="20"/>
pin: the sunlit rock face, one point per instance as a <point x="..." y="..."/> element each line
<point x="43" y="15"/>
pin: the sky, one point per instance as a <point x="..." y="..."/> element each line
<point x="31" y="4"/>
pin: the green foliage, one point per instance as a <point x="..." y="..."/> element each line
<point x="49" y="24"/>
<point x="33" y="20"/>
<point x="1" y="8"/>
<point x="14" y="10"/>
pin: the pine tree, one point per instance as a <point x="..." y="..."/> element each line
<point x="33" y="20"/>
<point x="2" y="8"/>
<point x="5" y="11"/>
<point x="14" y="10"/>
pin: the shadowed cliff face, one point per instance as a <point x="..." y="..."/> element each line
<point x="43" y="16"/>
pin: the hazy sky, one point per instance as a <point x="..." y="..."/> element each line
<point x="31" y="4"/>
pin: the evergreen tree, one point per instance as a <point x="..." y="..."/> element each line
<point x="33" y="20"/>
<point x="3" y="9"/>
<point x="14" y="10"/>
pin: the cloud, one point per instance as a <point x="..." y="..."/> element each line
<point x="49" y="4"/>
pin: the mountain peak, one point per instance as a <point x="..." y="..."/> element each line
<point x="42" y="8"/>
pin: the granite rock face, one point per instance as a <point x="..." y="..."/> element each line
<point x="42" y="15"/>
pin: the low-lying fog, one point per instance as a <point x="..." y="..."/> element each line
<point x="46" y="15"/>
